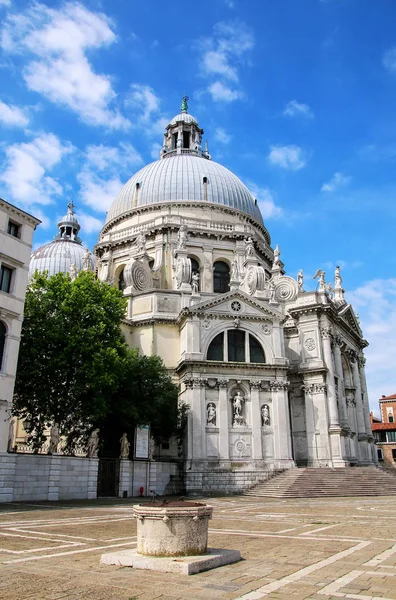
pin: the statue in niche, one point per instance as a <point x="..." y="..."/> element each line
<point x="249" y="250"/>
<point x="300" y="280"/>
<point x="234" y="270"/>
<point x="141" y="243"/>
<point x="86" y="260"/>
<point x="73" y="272"/>
<point x="195" y="283"/>
<point x="211" y="414"/>
<point x="93" y="443"/>
<point x="124" y="446"/>
<point x="237" y="409"/>
<point x="54" y="439"/>
<point x="182" y="238"/>
<point x="10" y="443"/>
<point x="265" y="415"/>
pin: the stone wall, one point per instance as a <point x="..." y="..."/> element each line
<point x="226" y="482"/>
<point x="162" y="477"/>
<point x="30" y="477"/>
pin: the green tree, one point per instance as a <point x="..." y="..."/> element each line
<point x="76" y="369"/>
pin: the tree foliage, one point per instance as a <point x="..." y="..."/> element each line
<point x="76" y="369"/>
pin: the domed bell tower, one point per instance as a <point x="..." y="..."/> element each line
<point x="183" y="135"/>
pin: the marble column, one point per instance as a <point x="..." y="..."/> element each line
<point x="361" y="426"/>
<point x="257" y="447"/>
<point x="224" y="421"/>
<point x="341" y="388"/>
<point x="334" y="422"/>
<point x="366" y="407"/>
<point x="195" y="423"/>
<point x="283" y="456"/>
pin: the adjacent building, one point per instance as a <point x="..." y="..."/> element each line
<point x="384" y="430"/>
<point x="16" y="233"/>
<point x="273" y="374"/>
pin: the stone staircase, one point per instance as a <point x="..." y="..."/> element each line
<point x="326" y="482"/>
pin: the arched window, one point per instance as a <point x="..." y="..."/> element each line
<point x="236" y="345"/>
<point x="221" y="277"/>
<point x="121" y="281"/>
<point x="3" y="331"/>
<point x="194" y="265"/>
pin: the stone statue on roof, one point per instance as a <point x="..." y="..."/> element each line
<point x="184" y="105"/>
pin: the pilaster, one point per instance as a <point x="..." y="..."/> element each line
<point x="224" y="423"/>
<point x="283" y="455"/>
<point x="257" y="447"/>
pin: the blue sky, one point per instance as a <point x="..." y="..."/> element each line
<point x="297" y="97"/>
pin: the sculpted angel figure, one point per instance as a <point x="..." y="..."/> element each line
<point x="276" y="262"/>
<point x="195" y="283"/>
<point x="141" y="242"/>
<point x="234" y="270"/>
<point x="337" y="278"/>
<point x="300" y="279"/>
<point x="86" y="260"/>
<point x="265" y="415"/>
<point x="182" y="238"/>
<point x="249" y="251"/>
<point x="125" y="445"/>
<point x="211" y="414"/>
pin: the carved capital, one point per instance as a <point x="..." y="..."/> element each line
<point x="277" y="386"/>
<point x="326" y="333"/>
<point x="314" y="388"/>
<point x="223" y="383"/>
<point x="255" y="385"/>
<point x="194" y="382"/>
<point x="361" y="361"/>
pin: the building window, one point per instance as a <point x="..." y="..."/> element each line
<point x="216" y="348"/>
<point x="121" y="281"/>
<point x="3" y="331"/>
<point x="235" y="345"/>
<point x="221" y="277"/>
<point x="390" y="418"/>
<point x="186" y="139"/>
<point x="394" y="454"/>
<point x="380" y="454"/>
<point x="5" y="279"/>
<point x="391" y="436"/>
<point x="14" y="229"/>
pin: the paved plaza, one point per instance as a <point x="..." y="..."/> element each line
<point x="321" y="549"/>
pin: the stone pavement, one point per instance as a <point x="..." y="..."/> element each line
<point x="320" y="548"/>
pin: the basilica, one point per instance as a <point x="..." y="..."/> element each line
<point x="273" y="375"/>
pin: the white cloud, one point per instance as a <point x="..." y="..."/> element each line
<point x="297" y="109"/>
<point x="265" y="201"/>
<point x="288" y="157"/>
<point x="221" y="136"/>
<point x="155" y="151"/>
<point x="105" y="157"/>
<point x="12" y="115"/>
<point x="143" y="99"/>
<point x="222" y="93"/>
<point x="336" y="182"/>
<point x="97" y="192"/>
<point x="99" y="177"/>
<point x="217" y="63"/>
<point x="222" y="55"/>
<point x="89" y="224"/>
<point x="5" y="2"/>
<point x="375" y="302"/>
<point x="26" y="166"/>
<point x="389" y="60"/>
<point x="61" y="71"/>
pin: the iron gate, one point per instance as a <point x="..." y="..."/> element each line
<point x="108" y="477"/>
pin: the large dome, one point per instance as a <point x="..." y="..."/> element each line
<point x="180" y="178"/>
<point x="65" y="250"/>
<point x="57" y="256"/>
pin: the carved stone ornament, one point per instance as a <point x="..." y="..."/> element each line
<point x="267" y="329"/>
<point x="183" y="270"/>
<point x="286" y="289"/>
<point x="223" y="383"/>
<point x="350" y="400"/>
<point x="236" y="306"/>
<point x="265" y="416"/>
<point x="206" y="324"/>
<point x="138" y="276"/>
<point x="277" y="386"/>
<point x="255" y="279"/>
<point x="325" y="332"/>
<point x="211" y="414"/>
<point x="194" y="382"/>
<point x="314" y="388"/>
<point x="310" y="344"/>
<point x="255" y="385"/>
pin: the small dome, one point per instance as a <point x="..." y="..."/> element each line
<point x="184" y="178"/>
<point x="184" y="117"/>
<point x="57" y="256"/>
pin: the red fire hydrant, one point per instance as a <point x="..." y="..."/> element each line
<point x="141" y="490"/>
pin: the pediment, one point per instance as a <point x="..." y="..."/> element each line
<point x="347" y="314"/>
<point x="249" y="307"/>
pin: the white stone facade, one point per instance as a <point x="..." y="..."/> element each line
<point x="16" y="233"/>
<point x="273" y="375"/>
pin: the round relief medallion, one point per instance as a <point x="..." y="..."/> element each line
<point x="206" y="324"/>
<point x="266" y="329"/>
<point x="236" y="306"/>
<point x="240" y="445"/>
<point x="310" y="344"/>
